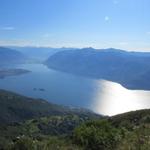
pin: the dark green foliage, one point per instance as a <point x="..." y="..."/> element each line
<point x="131" y="118"/>
<point x="97" y="135"/>
<point x="44" y="133"/>
<point x="36" y="119"/>
<point x="120" y="132"/>
<point x="16" y="108"/>
<point x="129" y="131"/>
<point x="29" y="124"/>
<point x="23" y="144"/>
<point x="51" y="143"/>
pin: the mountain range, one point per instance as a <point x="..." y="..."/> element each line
<point x="131" y="69"/>
<point x="38" y="54"/>
<point x="11" y="56"/>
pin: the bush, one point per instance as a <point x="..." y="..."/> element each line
<point x="97" y="135"/>
<point x="23" y="144"/>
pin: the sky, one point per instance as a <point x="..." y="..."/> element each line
<point x="123" y="24"/>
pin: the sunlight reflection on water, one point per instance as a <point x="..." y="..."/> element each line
<point x="112" y="99"/>
<point x="101" y="96"/>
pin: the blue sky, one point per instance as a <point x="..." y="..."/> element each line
<point x="121" y="24"/>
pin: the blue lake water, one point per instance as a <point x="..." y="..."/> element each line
<point x="59" y="87"/>
<point x="101" y="96"/>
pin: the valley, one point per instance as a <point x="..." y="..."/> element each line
<point x="74" y="75"/>
<point x="88" y="113"/>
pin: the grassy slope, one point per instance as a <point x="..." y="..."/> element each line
<point x="35" y="118"/>
<point x="37" y="124"/>
<point x="129" y="131"/>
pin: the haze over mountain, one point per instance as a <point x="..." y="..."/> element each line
<point x="38" y="54"/>
<point x="10" y="56"/>
<point x="131" y="69"/>
<point x="73" y="98"/>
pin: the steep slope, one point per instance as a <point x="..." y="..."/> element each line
<point x="22" y="117"/>
<point x="10" y="56"/>
<point x="16" y="108"/>
<point x="126" y="68"/>
<point x="122" y="132"/>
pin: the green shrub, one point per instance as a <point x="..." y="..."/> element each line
<point x="25" y="143"/>
<point x="97" y="135"/>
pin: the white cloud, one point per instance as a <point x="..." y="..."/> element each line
<point x="106" y="18"/>
<point x="8" y="28"/>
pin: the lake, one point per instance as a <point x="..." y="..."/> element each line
<point x="61" y="88"/>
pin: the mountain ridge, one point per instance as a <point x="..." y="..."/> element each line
<point x="126" y="68"/>
<point x="12" y="56"/>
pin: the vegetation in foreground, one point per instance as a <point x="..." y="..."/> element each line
<point x="77" y="130"/>
<point x="71" y="132"/>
